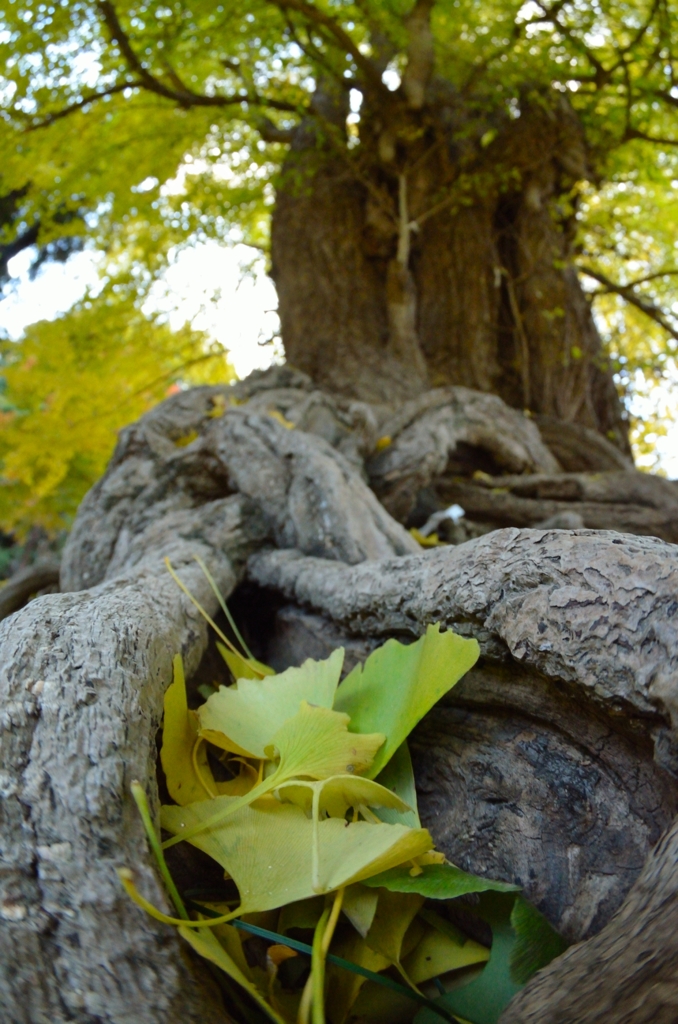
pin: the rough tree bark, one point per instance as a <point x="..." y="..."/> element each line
<point x="553" y="763"/>
<point x="439" y="252"/>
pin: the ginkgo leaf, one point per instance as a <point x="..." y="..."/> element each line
<point x="316" y="743"/>
<point x="241" y="667"/>
<point x="394" y="915"/>
<point x="338" y="793"/>
<point x="248" y="714"/>
<point x="360" y="906"/>
<point x="303" y="914"/>
<point x="268" y="850"/>
<point x="242" y="783"/>
<point x="344" y="986"/>
<point x="398" y="776"/>
<point x="179" y="738"/>
<point x="207" y="945"/>
<point x="436" y="954"/>
<point x="399" y="683"/>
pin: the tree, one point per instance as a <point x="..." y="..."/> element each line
<point x="556" y="761"/>
<point x="439" y="175"/>
<point x="70" y="385"/>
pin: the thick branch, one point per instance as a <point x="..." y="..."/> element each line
<point x="627" y="293"/>
<point x="420" y="54"/>
<point x="184" y="96"/>
<point x="660" y="140"/>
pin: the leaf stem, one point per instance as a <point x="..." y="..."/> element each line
<point x="224" y="606"/>
<point x="145" y="814"/>
<point x="125" y="876"/>
<point x="333" y="918"/>
<point x="182" y="586"/>
<point x="318" y="969"/>
<point x="196" y="767"/>
<point x="254" y="794"/>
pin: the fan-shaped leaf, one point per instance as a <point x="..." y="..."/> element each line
<point x="398" y="684"/>
<point x="267" y="850"/>
<point x="244" y="718"/>
<point x="316" y="743"/>
<point x="179" y="736"/>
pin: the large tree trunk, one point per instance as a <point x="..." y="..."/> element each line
<point x="428" y="256"/>
<point x="553" y="763"/>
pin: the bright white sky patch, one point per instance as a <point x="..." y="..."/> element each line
<point x="204" y="286"/>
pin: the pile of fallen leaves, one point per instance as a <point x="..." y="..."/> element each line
<point x="335" y="905"/>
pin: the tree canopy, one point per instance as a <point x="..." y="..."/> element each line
<point x="140" y="128"/>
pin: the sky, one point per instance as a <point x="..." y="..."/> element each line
<point x="207" y="285"/>
<point x="204" y="286"/>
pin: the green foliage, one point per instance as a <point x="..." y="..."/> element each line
<point x="69" y="386"/>
<point x="295" y="830"/>
<point x="144" y="127"/>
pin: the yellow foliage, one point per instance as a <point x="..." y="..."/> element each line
<point x="69" y="386"/>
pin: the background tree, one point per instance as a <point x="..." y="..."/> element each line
<point x="438" y="175"/>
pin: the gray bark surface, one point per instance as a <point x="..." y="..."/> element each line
<point x="553" y="763"/>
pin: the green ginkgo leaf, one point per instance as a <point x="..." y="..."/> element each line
<point x="398" y="776"/>
<point x="399" y="683"/>
<point x="438" y="882"/>
<point x="178" y="755"/>
<point x="244" y="718"/>
<point x="338" y="793"/>
<point x="267" y="850"/>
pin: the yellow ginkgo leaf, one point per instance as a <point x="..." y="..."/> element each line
<point x="316" y="743"/>
<point x="360" y="906"/>
<point x="207" y="944"/>
<point x="268" y="850"/>
<point x="246" y="716"/>
<point x="339" y="792"/>
<point x="394" y="915"/>
<point x="242" y="667"/>
<point x="183" y="758"/>
<point x="436" y="954"/>
<point x="313" y="744"/>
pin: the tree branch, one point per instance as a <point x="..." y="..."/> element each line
<point x="626" y="292"/>
<point x="633" y="133"/>
<point x="183" y="96"/>
<point x="80" y="104"/>
<point x="21" y="587"/>
<point x="120" y="37"/>
<point x="322" y="20"/>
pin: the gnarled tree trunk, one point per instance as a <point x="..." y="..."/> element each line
<point x="553" y="763"/>
<point x="438" y="252"/>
